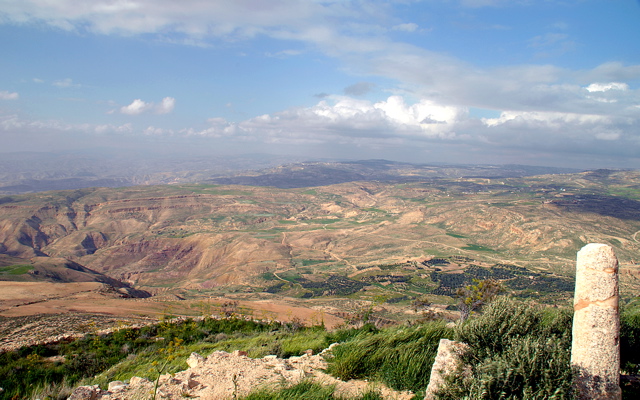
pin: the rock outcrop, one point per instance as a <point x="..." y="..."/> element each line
<point x="224" y="375"/>
<point x="448" y="361"/>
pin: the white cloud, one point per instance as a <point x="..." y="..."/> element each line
<point x="154" y="131"/>
<point x="193" y="18"/>
<point x="408" y="27"/>
<point x="4" y="95"/>
<point x="564" y="133"/>
<point x="13" y="123"/>
<point x="548" y="39"/>
<point x="395" y="123"/>
<point x="139" y="106"/>
<point x="615" y="135"/>
<point x="284" y="53"/>
<point x="493" y="3"/>
<point x="112" y="129"/>
<point x="166" y="106"/>
<point x="136" y="107"/>
<point x="65" y="83"/>
<point x="603" y="87"/>
<point x="549" y="119"/>
<point x="345" y="120"/>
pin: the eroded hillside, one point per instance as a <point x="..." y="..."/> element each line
<point x="364" y="240"/>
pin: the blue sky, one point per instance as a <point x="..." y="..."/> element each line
<point x="460" y="81"/>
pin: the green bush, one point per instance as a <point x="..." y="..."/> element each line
<point x="630" y="340"/>
<point x="517" y="351"/>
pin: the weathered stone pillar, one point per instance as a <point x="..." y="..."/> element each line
<point x="595" y="351"/>
<point x="447" y="361"/>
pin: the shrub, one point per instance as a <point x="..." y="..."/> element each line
<point x="517" y="351"/>
<point x="630" y="341"/>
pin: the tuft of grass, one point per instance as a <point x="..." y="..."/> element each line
<point x="52" y="391"/>
<point x="306" y="390"/>
<point x="401" y="357"/>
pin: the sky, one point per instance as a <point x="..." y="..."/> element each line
<point x="537" y="82"/>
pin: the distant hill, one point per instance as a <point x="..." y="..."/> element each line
<point x="29" y="172"/>
<point x="37" y="172"/>
<point x="311" y="174"/>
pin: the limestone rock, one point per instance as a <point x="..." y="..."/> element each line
<point x="194" y="360"/>
<point x="117" y="385"/>
<point x="329" y="349"/>
<point x="137" y="381"/>
<point x="85" y="393"/>
<point x="447" y="361"/>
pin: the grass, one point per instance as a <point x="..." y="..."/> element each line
<point x="373" y="209"/>
<point x="517" y="350"/>
<point x="306" y="390"/>
<point x="630" y="193"/>
<point x="17" y="269"/>
<point x="308" y="262"/>
<point x="324" y="221"/>
<point x="24" y="370"/>
<point x="477" y="247"/>
<point x="401" y="357"/>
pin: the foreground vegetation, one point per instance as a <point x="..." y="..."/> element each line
<point x="517" y="351"/>
<point x="308" y="391"/>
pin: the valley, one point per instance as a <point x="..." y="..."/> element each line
<point x="390" y="250"/>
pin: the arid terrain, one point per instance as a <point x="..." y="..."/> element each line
<point x="314" y="253"/>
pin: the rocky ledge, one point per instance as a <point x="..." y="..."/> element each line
<point x="224" y="375"/>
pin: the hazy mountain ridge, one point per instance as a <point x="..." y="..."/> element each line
<point x="310" y="174"/>
<point x="35" y="172"/>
